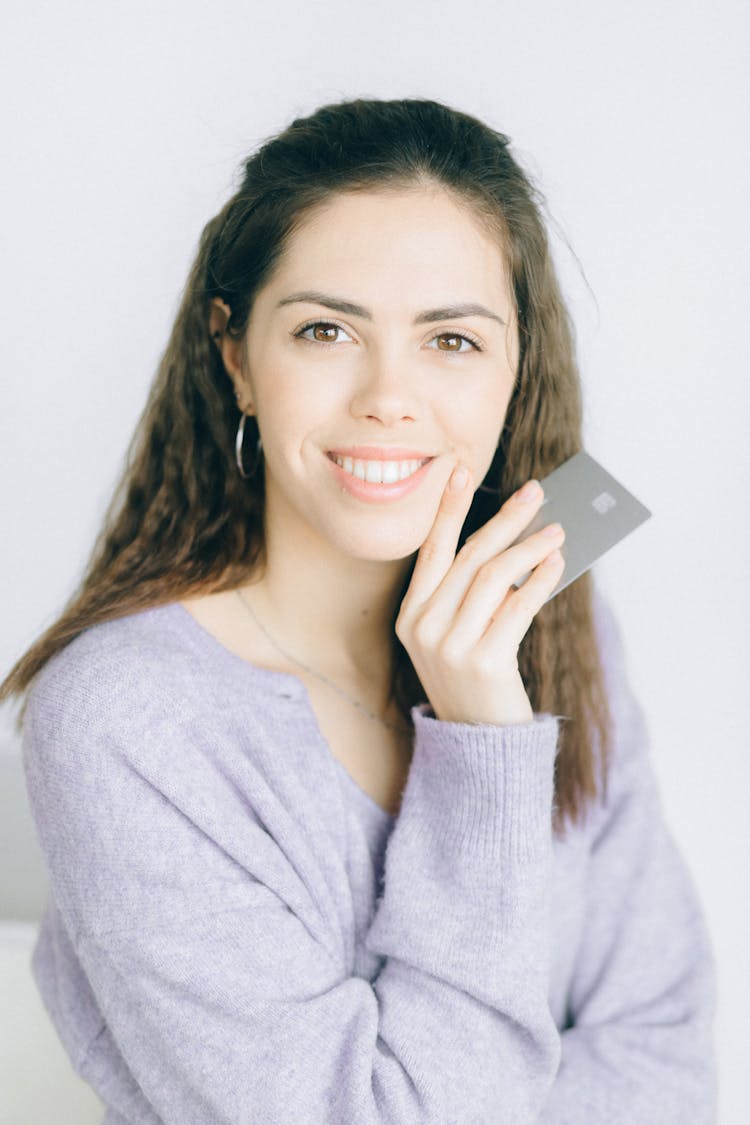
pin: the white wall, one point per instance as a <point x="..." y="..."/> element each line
<point x="123" y="128"/>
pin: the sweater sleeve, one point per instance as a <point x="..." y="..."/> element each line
<point x="220" y="980"/>
<point x="642" y="997"/>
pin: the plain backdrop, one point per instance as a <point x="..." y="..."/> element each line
<point x="123" y="129"/>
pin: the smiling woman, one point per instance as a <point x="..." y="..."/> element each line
<point x="340" y="825"/>
<point x="383" y="391"/>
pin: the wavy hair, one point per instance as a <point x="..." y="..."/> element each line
<point x="182" y="521"/>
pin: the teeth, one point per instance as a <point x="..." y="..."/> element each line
<point x="379" y="472"/>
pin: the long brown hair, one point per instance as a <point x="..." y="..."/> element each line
<point x="182" y="520"/>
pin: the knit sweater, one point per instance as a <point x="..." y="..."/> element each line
<point x="237" y="933"/>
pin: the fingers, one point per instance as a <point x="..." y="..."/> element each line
<point x="486" y="597"/>
<point x="513" y="620"/>
<point x="461" y="622"/>
<point x="506" y="525"/>
<point x="445" y="588"/>
<point x="438" y="551"/>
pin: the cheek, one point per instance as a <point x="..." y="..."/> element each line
<point x="476" y="426"/>
<point x="296" y="416"/>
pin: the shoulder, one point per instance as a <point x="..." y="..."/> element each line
<point x="629" y="766"/>
<point x="608" y="634"/>
<point x="108" y="661"/>
<point x="615" y="663"/>
<point x="140" y="673"/>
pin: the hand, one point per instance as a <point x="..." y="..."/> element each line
<point x="461" y="621"/>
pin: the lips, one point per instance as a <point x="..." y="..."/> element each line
<point x="378" y="480"/>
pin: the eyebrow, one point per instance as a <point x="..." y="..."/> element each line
<point x="448" y="312"/>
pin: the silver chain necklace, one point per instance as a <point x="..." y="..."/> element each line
<point x="319" y="676"/>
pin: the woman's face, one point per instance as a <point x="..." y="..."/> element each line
<point x="395" y="376"/>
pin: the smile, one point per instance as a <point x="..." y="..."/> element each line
<point x="379" y="472"/>
<point x="378" y="482"/>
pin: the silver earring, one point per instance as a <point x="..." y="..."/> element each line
<point x="238" y="448"/>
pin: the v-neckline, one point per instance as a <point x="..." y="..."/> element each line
<point x="296" y="688"/>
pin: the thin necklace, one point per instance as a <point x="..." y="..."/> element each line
<point x="318" y="675"/>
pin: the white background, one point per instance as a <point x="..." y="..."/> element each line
<point x="123" y="129"/>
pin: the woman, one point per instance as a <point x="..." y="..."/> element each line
<point x="341" y="825"/>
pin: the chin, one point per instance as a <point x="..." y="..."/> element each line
<point x="378" y="548"/>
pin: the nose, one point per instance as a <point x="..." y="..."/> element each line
<point x="386" y="389"/>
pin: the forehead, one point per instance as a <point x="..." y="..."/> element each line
<point x="422" y="236"/>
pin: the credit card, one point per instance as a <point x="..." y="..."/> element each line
<point x="595" y="511"/>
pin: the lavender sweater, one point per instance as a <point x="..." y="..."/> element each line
<point x="237" y="933"/>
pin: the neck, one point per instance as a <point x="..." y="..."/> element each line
<point x="334" y="614"/>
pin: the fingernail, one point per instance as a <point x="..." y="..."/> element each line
<point x="552" y="530"/>
<point x="459" y="477"/>
<point x="529" y="491"/>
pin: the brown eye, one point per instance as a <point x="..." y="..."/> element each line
<point x="320" y="330"/>
<point x="324" y="332"/>
<point x="456" y="339"/>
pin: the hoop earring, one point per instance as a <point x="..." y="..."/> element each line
<point x="238" y="448"/>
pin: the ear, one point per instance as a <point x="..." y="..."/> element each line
<point x="228" y="347"/>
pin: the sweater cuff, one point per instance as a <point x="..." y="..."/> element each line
<point x="490" y="788"/>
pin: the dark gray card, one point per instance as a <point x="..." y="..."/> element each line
<point x="595" y="510"/>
